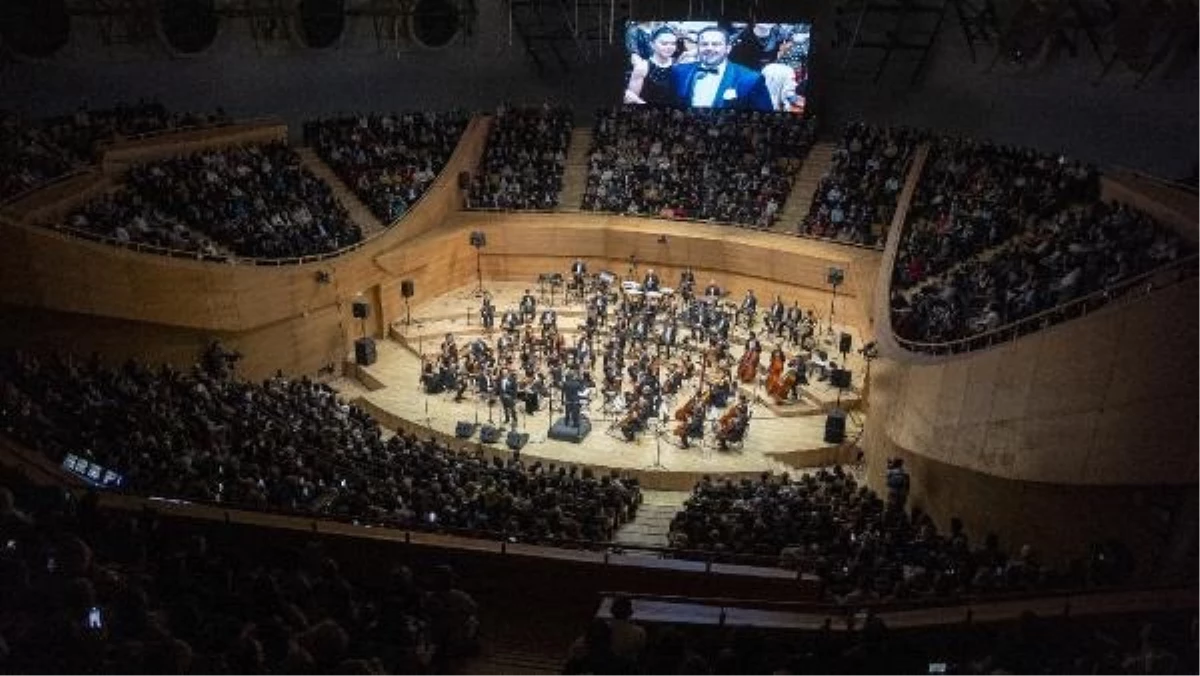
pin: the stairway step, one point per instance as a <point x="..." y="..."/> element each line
<point x="359" y="213"/>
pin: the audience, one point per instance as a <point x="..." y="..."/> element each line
<point x="720" y="165"/>
<point x="254" y="200"/>
<point x="861" y="548"/>
<point x="33" y="153"/>
<point x="291" y="445"/>
<point x="91" y="591"/>
<point x="522" y="167"/>
<point x="388" y="160"/>
<point x="974" y="195"/>
<point x="863" y="184"/>
<point x="1056" y="258"/>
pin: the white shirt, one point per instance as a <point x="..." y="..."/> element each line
<point x="704" y="91"/>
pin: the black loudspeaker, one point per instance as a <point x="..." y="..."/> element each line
<point x="844" y="343"/>
<point x="835" y="276"/>
<point x="516" y="440"/>
<point x="489" y="434"/>
<point x="464" y="180"/>
<point x="478" y="239"/>
<point x="364" y="351"/>
<point x="835" y="426"/>
<point x="464" y="429"/>
<point x="407" y="289"/>
<point x="361" y="309"/>
<point x="840" y="378"/>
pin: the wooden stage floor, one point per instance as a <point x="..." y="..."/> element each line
<point x="779" y="439"/>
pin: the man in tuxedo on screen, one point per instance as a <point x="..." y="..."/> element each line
<point x="713" y="81"/>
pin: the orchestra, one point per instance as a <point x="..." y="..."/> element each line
<point x="636" y="331"/>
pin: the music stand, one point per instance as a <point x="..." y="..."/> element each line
<point x="660" y="428"/>
<point x="835" y="278"/>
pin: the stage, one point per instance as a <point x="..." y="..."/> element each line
<point x="779" y="438"/>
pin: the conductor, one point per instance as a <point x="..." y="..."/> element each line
<point x="572" y="391"/>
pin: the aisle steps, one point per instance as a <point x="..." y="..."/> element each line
<point x="575" y="175"/>
<point x="805" y="187"/>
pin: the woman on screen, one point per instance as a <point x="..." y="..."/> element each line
<point x="781" y="85"/>
<point x="649" y="81"/>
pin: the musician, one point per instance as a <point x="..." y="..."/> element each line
<point x="712" y="290"/>
<point x="528" y="306"/>
<point x="535" y="389"/>
<point x="650" y="282"/>
<point x="449" y="348"/>
<point x="774" y="319"/>
<point x="669" y="335"/>
<point x="694" y="425"/>
<point x="511" y="321"/>
<point x="721" y="391"/>
<point x="598" y="308"/>
<point x="796" y="365"/>
<point x="749" y="307"/>
<point x="578" y="270"/>
<point x="508" y="396"/>
<point x="429" y="377"/>
<point x="485" y="385"/>
<point x="753" y="344"/>
<point x="460" y="382"/>
<point x="720" y="327"/>
<point x="549" y="319"/>
<point x="734" y="423"/>
<point x="487" y="313"/>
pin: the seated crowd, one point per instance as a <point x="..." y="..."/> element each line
<point x="523" y="164"/>
<point x="863" y="184"/>
<point x="1147" y="643"/>
<point x="290" y="445"/>
<point x="974" y="195"/>
<point x="34" y="152"/>
<point x="862" y="547"/>
<point x="722" y="165"/>
<point x="389" y="160"/>
<point x="88" y="590"/>
<point x="255" y="200"/>
<point x="1056" y="259"/>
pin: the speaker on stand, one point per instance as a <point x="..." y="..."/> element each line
<point x="407" y="290"/>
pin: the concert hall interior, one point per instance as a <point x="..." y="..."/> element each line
<point x="444" y="336"/>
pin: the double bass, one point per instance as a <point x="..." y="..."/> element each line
<point x="775" y="370"/>
<point x="748" y="366"/>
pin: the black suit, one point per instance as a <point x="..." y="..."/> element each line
<point x="571" y="389"/>
<point x="740" y="87"/>
<point x="508" y="398"/>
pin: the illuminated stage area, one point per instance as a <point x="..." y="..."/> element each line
<point x="779" y="437"/>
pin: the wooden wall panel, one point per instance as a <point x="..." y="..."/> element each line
<point x="1109" y="398"/>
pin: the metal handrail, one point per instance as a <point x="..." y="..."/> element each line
<point x="1083" y="305"/>
<point x="78" y="170"/>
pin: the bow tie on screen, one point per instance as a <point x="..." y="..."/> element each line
<point x="701" y="71"/>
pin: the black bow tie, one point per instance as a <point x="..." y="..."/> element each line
<point x="705" y="70"/>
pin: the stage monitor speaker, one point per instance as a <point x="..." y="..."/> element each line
<point x="517" y="440"/>
<point x="360" y="308"/>
<point x="835" y="276"/>
<point x="840" y="378"/>
<point x="364" y="351"/>
<point x="844" y="343"/>
<point x="489" y="434"/>
<point x="464" y="180"/>
<point x="407" y="289"/>
<point x="835" y="426"/>
<point x="464" y="429"/>
<point x="478" y="239"/>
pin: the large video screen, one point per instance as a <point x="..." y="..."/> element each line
<point x="702" y="64"/>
